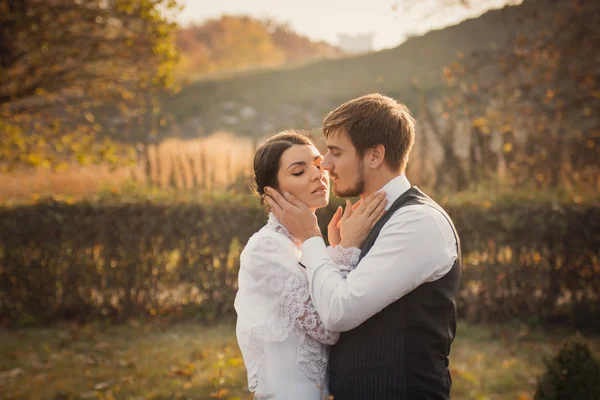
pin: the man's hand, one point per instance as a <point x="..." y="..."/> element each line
<point x="293" y="214"/>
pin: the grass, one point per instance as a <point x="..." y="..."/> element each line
<point x="162" y="360"/>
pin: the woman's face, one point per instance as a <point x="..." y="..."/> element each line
<point x="300" y="174"/>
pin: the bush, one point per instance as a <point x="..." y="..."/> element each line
<point x="573" y="374"/>
<point x="117" y="258"/>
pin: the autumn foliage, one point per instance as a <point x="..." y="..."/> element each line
<point x="233" y="43"/>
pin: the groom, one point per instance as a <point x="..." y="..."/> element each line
<point x="397" y="309"/>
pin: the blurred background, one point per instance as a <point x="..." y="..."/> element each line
<point x="127" y="129"/>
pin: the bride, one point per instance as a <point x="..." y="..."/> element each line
<point x="283" y="342"/>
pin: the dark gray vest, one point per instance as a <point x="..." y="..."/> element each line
<point x="401" y="353"/>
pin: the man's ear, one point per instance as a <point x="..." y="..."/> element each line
<point x="375" y="156"/>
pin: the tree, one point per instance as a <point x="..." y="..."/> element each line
<point x="63" y="62"/>
<point x="538" y="91"/>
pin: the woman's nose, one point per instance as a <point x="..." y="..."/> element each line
<point x="317" y="173"/>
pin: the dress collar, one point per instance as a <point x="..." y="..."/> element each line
<point x="274" y="225"/>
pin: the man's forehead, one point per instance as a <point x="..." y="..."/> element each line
<point x="337" y="138"/>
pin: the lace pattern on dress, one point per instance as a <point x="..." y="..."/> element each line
<point x="345" y="258"/>
<point x="274" y="225"/>
<point x="312" y="335"/>
<point x="296" y="311"/>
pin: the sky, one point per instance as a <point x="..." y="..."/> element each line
<point x="389" y="20"/>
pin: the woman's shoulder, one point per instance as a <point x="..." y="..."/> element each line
<point x="266" y="241"/>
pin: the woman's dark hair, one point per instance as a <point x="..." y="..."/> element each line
<point x="267" y="158"/>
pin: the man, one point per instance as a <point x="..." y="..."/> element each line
<point x="397" y="309"/>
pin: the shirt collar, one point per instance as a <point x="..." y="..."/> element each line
<point x="394" y="189"/>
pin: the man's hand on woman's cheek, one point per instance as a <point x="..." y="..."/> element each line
<point x="293" y="214"/>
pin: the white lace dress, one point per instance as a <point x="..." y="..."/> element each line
<point x="283" y="342"/>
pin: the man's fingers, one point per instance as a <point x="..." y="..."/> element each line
<point x="277" y="197"/>
<point x="273" y="204"/>
<point x="294" y="200"/>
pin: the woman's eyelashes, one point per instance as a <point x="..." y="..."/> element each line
<point x="301" y="172"/>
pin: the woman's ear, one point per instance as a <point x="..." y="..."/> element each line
<point x="376" y="156"/>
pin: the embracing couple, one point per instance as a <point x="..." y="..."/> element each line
<point x="373" y="315"/>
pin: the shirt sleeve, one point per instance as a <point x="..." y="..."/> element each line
<point x="414" y="247"/>
<point x="269" y="275"/>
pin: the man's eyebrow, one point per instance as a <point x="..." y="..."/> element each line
<point x="303" y="162"/>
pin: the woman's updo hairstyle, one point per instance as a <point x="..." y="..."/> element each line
<point x="267" y="158"/>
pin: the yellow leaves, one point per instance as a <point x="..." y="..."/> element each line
<point x="479" y="122"/>
<point x="34" y="159"/>
<point x="448" y="74"/>
<point x="89" y="117"/>
<point x="235" y="362"/>
<point x="482" y="124"/>
<point x="587" y="111"/>
<point x="188" y="370"/>
<point x="83" y="159"/>
<point x="219" y="393"/>
<point x="507" y="148"/>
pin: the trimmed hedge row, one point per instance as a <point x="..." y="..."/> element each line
<point x="536" y="261"/>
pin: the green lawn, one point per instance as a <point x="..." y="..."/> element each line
<point x="189" y="361"/>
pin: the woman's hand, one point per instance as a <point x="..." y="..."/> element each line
<point x="333" y="229"/>
<point x="358" y="220"/>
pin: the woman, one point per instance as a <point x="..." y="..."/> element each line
<point x="283" y="342"/>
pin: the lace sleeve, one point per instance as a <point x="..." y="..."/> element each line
<point x="296" y="301"/>
<point x="345" y="258"/>
<point x="272" y="302"/>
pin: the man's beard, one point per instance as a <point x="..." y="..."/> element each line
<point x="355" y="190"/>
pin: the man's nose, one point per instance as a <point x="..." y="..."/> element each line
<point x="326" y="164"/>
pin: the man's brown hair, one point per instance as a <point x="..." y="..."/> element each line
<point x="375" y="119"/>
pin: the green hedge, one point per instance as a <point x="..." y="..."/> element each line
<point x="536" y="261"/>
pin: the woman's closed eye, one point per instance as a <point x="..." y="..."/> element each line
<point x="298" y="173"/>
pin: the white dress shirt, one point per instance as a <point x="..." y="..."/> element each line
<point x="417" y="245"/>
